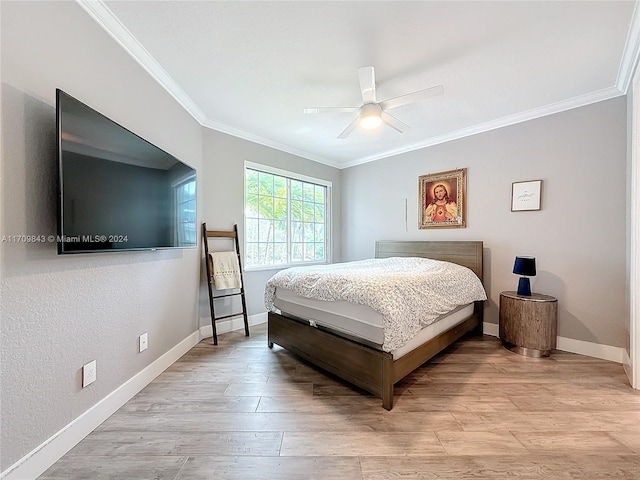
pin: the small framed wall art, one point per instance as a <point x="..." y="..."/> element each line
<point x="442" y="199"/>
<point x="526" y="195"/>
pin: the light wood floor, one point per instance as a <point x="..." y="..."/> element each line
<point x="476" y="411"/>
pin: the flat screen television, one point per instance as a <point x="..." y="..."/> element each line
<point x="116" y="191"/>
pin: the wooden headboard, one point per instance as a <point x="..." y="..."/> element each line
<point x="467" y="254"/>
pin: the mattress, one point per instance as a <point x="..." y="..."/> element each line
<point x="409" y="292"/>
<point x="361" y="321"/>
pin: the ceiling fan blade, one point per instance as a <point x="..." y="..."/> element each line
<point x="367" y="77"/>
<point x="412" y="97"/>
<point x="350" y="128"/>
<point x="394" y="123"/>
<point x="313" y="110"/>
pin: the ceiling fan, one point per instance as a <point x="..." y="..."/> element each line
<point x="371" y="113"/>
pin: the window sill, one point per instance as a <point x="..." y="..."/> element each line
<point x="282" y="267"/>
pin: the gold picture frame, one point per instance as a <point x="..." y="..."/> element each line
<point x="442" y="199"/>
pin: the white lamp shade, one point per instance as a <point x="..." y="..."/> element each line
<point x="370" y="116"/>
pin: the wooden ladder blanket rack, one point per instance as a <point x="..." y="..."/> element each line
<point x="216" y="234"/>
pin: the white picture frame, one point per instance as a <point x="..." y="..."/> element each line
<point x="526" y="195"/>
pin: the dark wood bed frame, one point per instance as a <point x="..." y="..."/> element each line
<point x="365" y="366"/>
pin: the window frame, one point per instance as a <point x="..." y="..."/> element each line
<point x="327" y="215"/>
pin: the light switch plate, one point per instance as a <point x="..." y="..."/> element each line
<point x="144" y="341"/>
<point x="89" y="373"/>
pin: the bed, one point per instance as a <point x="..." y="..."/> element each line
<point x="361" y="361"/>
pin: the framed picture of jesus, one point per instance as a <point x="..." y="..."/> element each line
<point x="442" y="199"/>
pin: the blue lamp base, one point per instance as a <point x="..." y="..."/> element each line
<point x="524" y="287"/>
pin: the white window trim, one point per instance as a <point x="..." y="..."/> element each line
<point x="286" y="173"/>
<point x="294" y="176"/>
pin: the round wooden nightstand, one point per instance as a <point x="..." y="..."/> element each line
<point x="528" y="324"/>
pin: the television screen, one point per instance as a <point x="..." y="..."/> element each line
<point x="116" y="191"/>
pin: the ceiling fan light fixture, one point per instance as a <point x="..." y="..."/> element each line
<point x="370" y="122"/>
<point x="370" y="116"/>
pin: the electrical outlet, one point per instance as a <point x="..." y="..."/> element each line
<point x="89" y="374"/>
<point x="144" y="341"/>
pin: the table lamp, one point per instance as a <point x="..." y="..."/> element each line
<point x="526" y="267"/>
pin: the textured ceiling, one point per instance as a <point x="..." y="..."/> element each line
<point x="250" y="68"/>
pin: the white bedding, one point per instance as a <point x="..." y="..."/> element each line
<point x="410" y="293"/>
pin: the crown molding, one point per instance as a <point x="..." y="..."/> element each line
<point x="631" y="53"/>
<point x="532" y="114"/>
<point x="219" y="127"/>
<point x="114" y="27"/>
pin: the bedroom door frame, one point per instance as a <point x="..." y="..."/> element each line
<point x="634" y="250"/>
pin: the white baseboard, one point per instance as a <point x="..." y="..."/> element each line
<point x="490" y="329"/>
<point x="595" y="350"/>
<point x="232" y="324"/>
<point x="45" y="455"/>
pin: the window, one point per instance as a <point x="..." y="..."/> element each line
<point x="286" y="218"/>
<point x="186" y="212"/>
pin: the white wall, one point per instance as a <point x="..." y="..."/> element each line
<point x="60" y="312"/>
<point x="578" y="238"/>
